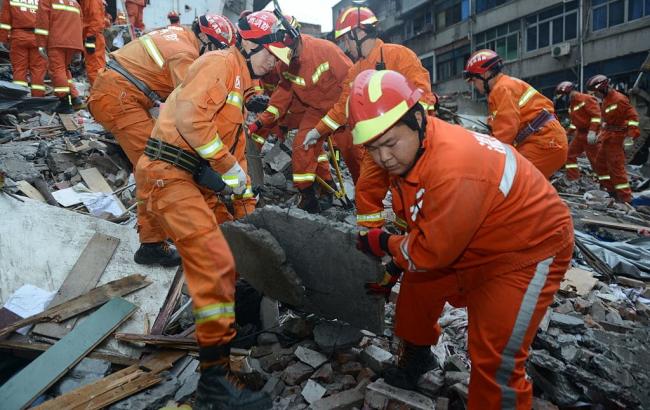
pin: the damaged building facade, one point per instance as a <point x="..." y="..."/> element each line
<point x="540" y="41"/>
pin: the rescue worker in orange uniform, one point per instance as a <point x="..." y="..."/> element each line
<point x="519" y="115"/>
<point x="58" y="37"/>
<point x="314" y="77"/>
<point x="584" y="114"/>
<point x="620" y="128"/>
<point x="486" y="230"/>
<point x="187" y="162"/>
<point x="93" y="33"/>
<point x="356" y="33"/>
<point x="174" y="18"/>
<point x="135" y="11"/>
<point x="159" y="60"/>
<point x="17" y="23"/>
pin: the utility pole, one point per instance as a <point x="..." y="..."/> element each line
<point x="581" y="42"/>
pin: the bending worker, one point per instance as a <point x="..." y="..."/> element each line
<point x="188" y="161"/>
<point x="140" y="76"/>
<point x="519" y="115"/>
<point x="485" y="230"/>
<point x="356" y="33"/>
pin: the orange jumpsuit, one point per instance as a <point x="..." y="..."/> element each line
<point x="513" y="104"/>
<point x="58" y="28"/>
<point x="486" y="230"/>
<point x="584" y="113"/>
<point x="620" y="119"/>
<point x="160" y="59"/>
<point x="93" y="11"/>
<point x="135" y="11"/>
<point x="17" y="22"/>
<point x="315" y="78"/>
<point x="372" y="185"/>
<point x="207" y="109"/>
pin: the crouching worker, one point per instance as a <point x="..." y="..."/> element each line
<point x="486" y="230"/>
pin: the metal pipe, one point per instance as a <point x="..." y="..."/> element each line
<point x="581" y="76"/>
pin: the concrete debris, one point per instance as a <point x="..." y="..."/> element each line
<point x="376" y="358"/>
<point x="318" y="248"/>
<point x="297" y="373"/>
<point x="87" y="371"/>
<point x="310" y="357"/>
<point x="380" y="395"/>
<point x="313" y="391"/>
<point x="188" y="388"/>
<point x="333" y="336"/>
<point x="152" y="398"/>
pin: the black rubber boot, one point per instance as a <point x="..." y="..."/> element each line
<point x="77" y="103"/>
<point x="64" y="106"/>
<point x="217" y="391"/>
<point x="308" y="200"/>
<point x="413" y="362"/>
<point x="157" y="253"/>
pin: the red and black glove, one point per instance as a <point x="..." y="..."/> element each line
<point x="254" y="127"/>
<point x="373" y="242"/>
<point x="384" y="288"/>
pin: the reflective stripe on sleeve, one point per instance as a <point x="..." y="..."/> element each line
<point x="236" y="99"/>
<point x="304" y="177"/>
<point x="41" y="32"/>
<point x="65" y="7"/>
<point x="509" y="172"/>
<point x="152" y="50"/>
<point x="327" y="120"/>
<point x="210" y="149"/>
<point x="376" y="217"/>
<point x="319" y="71"/>
<point x="611" y="108"/>
<point x="273" y="110"/>
<point x="526" y="96"/>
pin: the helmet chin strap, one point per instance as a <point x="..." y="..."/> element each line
<point x="486" y="81"/>
<point x="359" y="43"/>
<point x="420" y="150"/>
<point x="247" y="55"/>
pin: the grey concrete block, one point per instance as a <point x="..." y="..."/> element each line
<point x="263" y="263"/>
<point x="297" y="373"/>
<point x="376" y="358"/>
<point x="381" y="395"/>
<point x="331" y="336"/>
<point x="85" y="372"/>
<point x="312" y="391"/>
<point x="310" y="357"/>
<point x="332" y="270"/>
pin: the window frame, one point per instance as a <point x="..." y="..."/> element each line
<point x="548" y="25"/>
<point x="512" y="29"/>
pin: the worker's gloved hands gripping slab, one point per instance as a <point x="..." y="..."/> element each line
<point x="375" y="243"/>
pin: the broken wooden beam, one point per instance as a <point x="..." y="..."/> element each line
<point x="83" y="303"/>
<point x="172" y="342"/>
<point x="615" y="225"/>
<point x="33" y="350"/>
<point x="48" y="368"/>
<point x="167" y="308"/>
<point x="83" y="277"/>
<point x="116" y="386"/>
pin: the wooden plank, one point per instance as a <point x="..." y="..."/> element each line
<point x="34" y="349"/>
<point x="615" y="225"/>
<point x="84" y="276"/>
<point x="7" y="317"/>
<point x="83" y="303"/>
<point x="97" y="183"/>
<point x="170" y="342"/>
<point x="31" y="192"/>
<point x="167" y="308"/>
<point x="579" y="281"/>
<point x="116" y="386"/>
<point x="49" y="367"/>
<point x="68" y="122"/>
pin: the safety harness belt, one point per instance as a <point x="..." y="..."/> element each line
<point x="117" y="67"/>
<point x="160" y="150"/>
<point x="543" y="118"/>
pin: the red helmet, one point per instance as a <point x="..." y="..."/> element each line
<point x="172" y="14"/>
<point x="378" y="99"/>
<point x="263" y="28"/>
<point x="598" y="83"/>
<point x="564" y="88"/>
<point x="219" y="30"/>
<point x="353" y="17"/>
<point x="481" y="62"/>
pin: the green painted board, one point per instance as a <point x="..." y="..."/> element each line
<point x="49" y="367"/>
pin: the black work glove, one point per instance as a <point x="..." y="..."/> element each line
<point x="257" y="103"/>
<point x="384" y="288"/>
<point x="89" y="44"/>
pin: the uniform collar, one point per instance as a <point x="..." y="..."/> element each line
<point x="374" y="54"/>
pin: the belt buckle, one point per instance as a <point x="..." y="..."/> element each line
<point x="159" y="149"/>
<point x="160" y="183"/>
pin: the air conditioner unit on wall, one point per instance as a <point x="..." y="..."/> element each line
<point x="560" y="50"/>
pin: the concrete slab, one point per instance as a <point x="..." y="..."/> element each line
<point x="40" y="243"/>
<point x="263" y="263"/>
<point x="333" y="271"/>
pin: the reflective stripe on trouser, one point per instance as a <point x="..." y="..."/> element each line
<point x="504" y="312"/>
<point x="611" y="158"/>
<point x="208" y="264"/>
<point x="369" y="192"/>
<point x="551" y="155"/>
<point x="124" y="111"/>
<point x="96" y="61"/>
<point x="59" y="60"/>
<point x="305" y="163"/>
<point x="27" y="62"/>
<point x="576" y="148"/>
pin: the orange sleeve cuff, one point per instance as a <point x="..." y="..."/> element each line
<point x="323" y="129"/>
<point x="223" y="164"/>
<point x="394" y="243"/>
